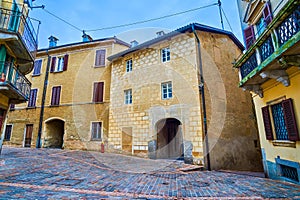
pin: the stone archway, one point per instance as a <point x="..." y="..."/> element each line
<point x="54" y="133"/>
<point x="169" y="139"/>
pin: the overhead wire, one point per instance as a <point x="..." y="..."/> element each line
<point x="227" y="20"/>
<point x="153" y="19"/>
<point x="50" y="13"/>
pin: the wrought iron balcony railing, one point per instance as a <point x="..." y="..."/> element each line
<point x="11" y="77"/>
<point x="280" y="35"/>
<point x="14" y="21"/>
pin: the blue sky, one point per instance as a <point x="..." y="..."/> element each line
<point x="93" y="14"/>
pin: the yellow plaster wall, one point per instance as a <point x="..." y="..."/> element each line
<point x="274" y="90"/>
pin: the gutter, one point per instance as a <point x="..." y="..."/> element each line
<point x="202" y="99"/>
<point x="39" y="142"/>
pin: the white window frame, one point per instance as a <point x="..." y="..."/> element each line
<point x="128" y="96"/>
<point x="165" y="54"/>
<point x="165" y="87"/>
<point x="59" y="65"/>
<point x="129" y="65"/>
<point x="101" y="131"/>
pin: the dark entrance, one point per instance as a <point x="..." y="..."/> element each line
<point x="169" y="139"/>
<point x="54" y="137"/>
<point x="28" y="135"/>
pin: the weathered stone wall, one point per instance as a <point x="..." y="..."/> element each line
<point x="148" y="107"/>
<point x="232" y="127"/>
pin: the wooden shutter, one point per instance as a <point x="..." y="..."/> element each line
<point x="66" y="59"/>
<point x="100" y="57"/>
<point x="37" y="67"/>
<point x="249" y="36"/>
<point x="53" y="63"/>
<point x="267" y="123"/>
<point x="98" y="92"/>
<point x="55" y="95"/>
<point x="32" y="98"/>
<point x="267" y="14"/>
<point x="290" y="120"/>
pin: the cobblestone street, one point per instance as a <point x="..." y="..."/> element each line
<point x="64" y="174"/>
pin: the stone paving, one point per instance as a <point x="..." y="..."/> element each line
<point x="65" y="174"/>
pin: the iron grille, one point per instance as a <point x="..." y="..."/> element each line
<point x="266" y="49"/>
<point x="289" y="27"/>
<point x="248" y="66"/>
<point x="289" y="172"/>
<point x="279" y="122"/>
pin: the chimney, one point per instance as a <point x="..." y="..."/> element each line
<point x="86" y="37"/>
<point x="133" y="43"/>
<point x="52" y="41"/>
<point x="160" y="33"/>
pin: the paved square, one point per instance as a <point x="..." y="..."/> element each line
<point x="64" y="174"/>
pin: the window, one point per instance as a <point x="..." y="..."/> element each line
<point x="55" y="96"/>
<point x="7" y="134"/>
<point x="59" y="64"/>
<point x="100" y="58"/>
<point x="166" y="90"/>
<point x="283" y="121"/>
<point x="128" y="96"/>
<point x="165" y="54"/>
<point x="37" y="67"/>
<point x="32" y="98"/>
<point x="98" y="92"/>
<point x="249" y="36"/>
<point x="96" y="130"/>
<point x="260" y="26"/>
<point x="129" y="65"/>
<point x="12" y="107"/>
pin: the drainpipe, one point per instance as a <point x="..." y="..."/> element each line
<point x="39" y="142"/>
<point x="202" y="100"/>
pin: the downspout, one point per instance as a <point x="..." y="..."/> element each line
<point x="39" y="142"/>
<point x="202" y="100"/>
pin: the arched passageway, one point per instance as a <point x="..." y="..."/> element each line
<point x="54" y="134"/>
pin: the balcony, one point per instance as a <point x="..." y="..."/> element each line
<point x="276" y="50"/>
<point x="17" y="31"/>
<point x="13" y="83"/>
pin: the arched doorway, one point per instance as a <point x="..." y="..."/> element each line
<point x="54" y="135"/>
<point x="169" y="139"/>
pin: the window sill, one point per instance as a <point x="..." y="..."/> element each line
<point x="54" y="105"/>
<point x="96" y="140"/>
<point x="35" y="75"/>
<point x="99" y="66"/>
<point x="31" y="107"/>
<point x="284" y="143"/>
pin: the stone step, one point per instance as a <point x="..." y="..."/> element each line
<point x="191" y="168"/>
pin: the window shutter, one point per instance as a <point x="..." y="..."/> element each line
<point x="53" y="63"/>
<point x="267" y="14"/>
<point x="290" y="120"/>
<point x="267" y="123"/>
<point x="32" y="98"/>
<point x="249" y="36"/>
<point x="98" y="92"/>
<point x="57" y="95"/>
<point x="53" y="96"/>
<point x="37" y="67"/>
<point x="100" y="57"/>
<point x="66" y="59"/>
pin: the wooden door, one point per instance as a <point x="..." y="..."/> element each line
<point x="28" y="135"/>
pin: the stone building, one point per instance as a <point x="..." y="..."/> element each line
<point x="18" y="45"/>
<point x="270" y="70"/>
<point x="150" y="102"/>
<point x="155" y="104"/>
